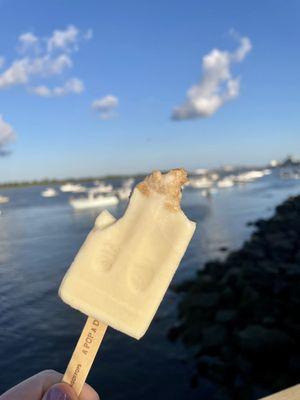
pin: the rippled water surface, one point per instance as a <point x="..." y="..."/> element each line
<point x="39" y="238"/>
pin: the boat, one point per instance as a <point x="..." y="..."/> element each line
<point x="123" y="193"/>
<point x="200" y="183"/>
<point x="103" y="188"/>
<point x="214" y="176"/>
<point x="287" y="173"/>
<point x="251" y="176"/>
<point x="72" y="188"/>
<point x="128" y="183"/>
<point x="200" y="171"/>
<point x="225" y="183"/>
<point x="49" y="192"/>
<point x="4" y="199"/>
<point x="93" y="199"/>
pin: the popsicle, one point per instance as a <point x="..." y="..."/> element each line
<point x="123" y="269"/>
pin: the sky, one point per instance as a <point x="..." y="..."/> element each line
<point x="89" y="88"/>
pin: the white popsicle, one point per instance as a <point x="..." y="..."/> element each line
<point x="124" y="267"/>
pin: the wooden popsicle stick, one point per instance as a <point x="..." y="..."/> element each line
<point x="84" y="354"/>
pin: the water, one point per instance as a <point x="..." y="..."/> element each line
<point x="39" y="238"/>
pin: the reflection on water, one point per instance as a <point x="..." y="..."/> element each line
<point x="39" y="238"/>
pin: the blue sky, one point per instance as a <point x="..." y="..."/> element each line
<point x="146" y="55"/>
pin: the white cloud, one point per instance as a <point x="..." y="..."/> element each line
<point x="63" y="40"/>
<point x="41" y="90"/>
<point x="47" y="66"/>
<point x="217" y="85"/>
<point x="73" y="85"/>
<point x="23" y="69"/>
<point x="7" y="135"/>
<point x="16" y="74"/>
<point x="27" y="41"/>
<point x="243" y="49"/>
<point x="2" y="61"/>
<point x="42" y="58"/>
<point x="106" y="106"/>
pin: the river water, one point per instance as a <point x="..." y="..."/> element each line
<point x="38" y="240"/>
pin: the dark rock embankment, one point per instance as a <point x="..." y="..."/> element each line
<point x="241" y="317"/>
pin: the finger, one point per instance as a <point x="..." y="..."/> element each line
<point x="63" y="391"/>
<point x="34" y="387"/>
<point x="88" y="393"/>
<point x="60" y="391"/>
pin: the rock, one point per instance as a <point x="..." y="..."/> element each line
<point x="194" y="381"/>
<point x="227" y="296"/>
<point x="294" y="364"/>
<point x="260" y="340"/>
<point x="293" y="271"/>
<point x="269" y="321"/>
<point x="213" y="366"/>
<point x="203" y="300"/>
<point x="213" y="336"/>
<point x="207" y="282"/>
<point x="223" y="248"/>
<point x="182" y="287"/>
<point x="244" y="365"/>
<point x="240" y="318"/>
<point x="225" y="316"/>
<point x="174" y="333"/>
<point x="191" y="335"/>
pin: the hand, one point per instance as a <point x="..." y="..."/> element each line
<point x="47" y="385"/>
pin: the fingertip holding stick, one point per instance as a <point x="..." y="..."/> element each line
<point x="84" y="354"/>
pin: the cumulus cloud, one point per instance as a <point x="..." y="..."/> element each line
<point x="22" y="70"/>
<point x="106" y="106"/>
<point x="217" y="85"/>
<point x="63" y="40"/>
<point x="51" y="56"/>
<point x="27" y="41"/>
<point x="73" y="85"/>
<point x="7" y="135"/>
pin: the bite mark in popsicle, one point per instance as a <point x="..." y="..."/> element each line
<point x="124" y="267"/>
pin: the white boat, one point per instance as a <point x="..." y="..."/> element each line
<point x="123" y="193"/>
<point x="225" y="183"/>
<point x="287" y="173"/>
<point x="93" y="199"/>
<point x="49" y="192"/>
<point x="128" y="183"/>
<point x="214" y="176"/>
<point x="200" y="183"/>
<point x="72" y="188"/>
<point x="251" y="176"/>
<point x="4" y="199"/>
<point x="103" y="188"/>
<point x="200" y="171"/>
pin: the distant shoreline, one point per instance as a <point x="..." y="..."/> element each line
<point x="288" y="162"/>
<point x="45" y="182"/>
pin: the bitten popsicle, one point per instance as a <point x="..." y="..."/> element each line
<point x="123" y="269"/>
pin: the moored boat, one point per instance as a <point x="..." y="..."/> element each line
<point x="49" y="192"/>
<point x="4" y="199"/>
<point x="72" y="188"/>
<point x="93" y="199"/>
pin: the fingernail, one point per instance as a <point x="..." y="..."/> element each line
<point x="57" y="393"/>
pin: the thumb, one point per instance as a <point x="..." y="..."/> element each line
<point x="60" y="391"/>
